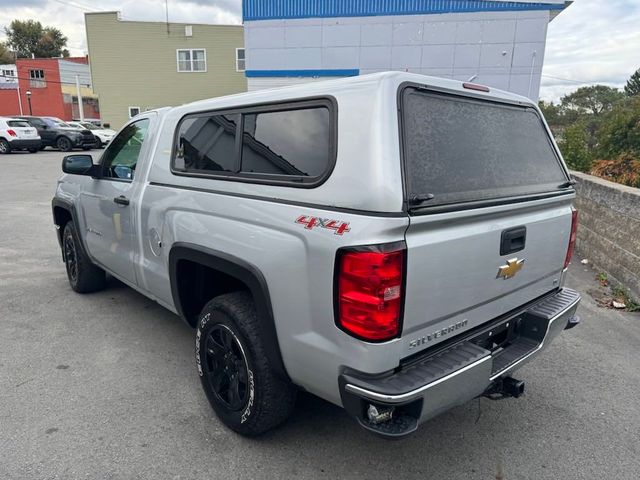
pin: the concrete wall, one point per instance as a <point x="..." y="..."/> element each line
<point x="504" y="50"/>
<point x="134" y="64"/>
<point x="609" y="229"/>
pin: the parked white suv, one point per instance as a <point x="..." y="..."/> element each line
<point x="104" y="135"/>
<point x="16" y="134"/>
<point x="393" y="243"/>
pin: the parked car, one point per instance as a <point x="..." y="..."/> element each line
<point x="16" y="134"/>
<point x="103" y="135"/>
<point x="393" y="243"/>
<point x="58" y="134"/>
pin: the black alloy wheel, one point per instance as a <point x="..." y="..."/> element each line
<point x="225" y="368"/>
<point x="71" y="258"/>
<point x="64" y="144"/>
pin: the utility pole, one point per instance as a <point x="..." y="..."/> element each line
<point x="80" y="106"/>
<point x="166" y="9"/>
<point x="15" y="56"/>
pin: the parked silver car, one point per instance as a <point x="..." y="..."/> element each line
<point x="393" y="243"/>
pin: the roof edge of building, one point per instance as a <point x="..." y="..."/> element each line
<point x="253" y="10"/>
<point x="120" y="18"/>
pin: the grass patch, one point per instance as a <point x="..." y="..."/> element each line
<point x="622" y="296"/>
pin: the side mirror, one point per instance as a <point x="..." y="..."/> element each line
<point x="79" y="165"/>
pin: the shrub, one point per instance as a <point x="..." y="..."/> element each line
<point x="625" y="170"/>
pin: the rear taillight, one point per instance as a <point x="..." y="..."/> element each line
<point x="369" y="291"/>
<point x="572" y="236"/>
<point x="12" y="133"/>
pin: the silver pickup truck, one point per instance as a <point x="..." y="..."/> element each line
<point x="393" y="243"/>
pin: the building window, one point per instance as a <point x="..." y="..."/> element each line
<point x="134" y="111"/>
<point x="240" y="60"/>
<point x="36" y="79"/>
<point x="8" y="74"/>
<point x="192" y="60"/>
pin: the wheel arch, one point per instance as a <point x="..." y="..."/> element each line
<point x="239" y="270"/>
<point x="63" y="213"/>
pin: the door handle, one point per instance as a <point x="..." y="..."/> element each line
<point x="513" y="240"/>
<point x="121" y="200"/>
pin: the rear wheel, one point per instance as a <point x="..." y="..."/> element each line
<point x="84" y="276"/>
<point x="4" y="146"/>
<point x="241" y="386"/>
<point x="64" y="144"/>
<point x="33" y="150"/>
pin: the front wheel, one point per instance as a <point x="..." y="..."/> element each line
<point x="236" y="376"/>
<point x="84" y="276"/>
<point x="64" y="144"/>
<point x="34" y="150"/>
<point x="4" y="146"/>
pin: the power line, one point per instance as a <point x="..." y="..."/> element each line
<point x="76" y="5"/>
<point x="580" y="82"/>
<point x="44" y="80"/>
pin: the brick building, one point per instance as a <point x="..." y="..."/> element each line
<point x="52" y="84"/>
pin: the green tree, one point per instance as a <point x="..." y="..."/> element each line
<point x="620" y="130"/>
<point x="575" y="147"/>
<point x="632" y="88"/>
<point x="594" y="100"/>
<point x="552" y="113"/>
<point x="6" y="56"/>
<point x="29" y="38"/>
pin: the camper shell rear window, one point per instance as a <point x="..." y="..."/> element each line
<point x="460" y="149"/>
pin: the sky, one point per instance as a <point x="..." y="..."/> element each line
<point x="593" y="41"/>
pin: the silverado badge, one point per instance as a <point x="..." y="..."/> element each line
<point x="512" y="267"/>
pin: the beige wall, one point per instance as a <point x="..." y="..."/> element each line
<point x="134" y="64"/>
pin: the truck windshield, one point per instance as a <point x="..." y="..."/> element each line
<point x="459" y="149"/>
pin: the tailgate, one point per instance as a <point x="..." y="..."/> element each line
<point x="22" y="129"/>
<point x="26" y="132"/>
<point x="454" y="276"/>
<point x="490" y="211"/>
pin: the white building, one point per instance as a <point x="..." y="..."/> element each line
<point x="493" y="42"/>
<point x="8" y="73"/>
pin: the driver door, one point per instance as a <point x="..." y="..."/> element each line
<point x="109" y="202"/>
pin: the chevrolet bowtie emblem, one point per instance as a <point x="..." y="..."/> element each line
<point x="512" y="267"/>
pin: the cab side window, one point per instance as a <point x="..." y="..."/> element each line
<point x="121" y="157"/>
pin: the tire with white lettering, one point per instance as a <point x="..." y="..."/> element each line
<point x="242" y="388"/>
<point x="84" y="276"/>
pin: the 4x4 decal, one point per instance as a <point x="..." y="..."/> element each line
<point x="310" y="223"/>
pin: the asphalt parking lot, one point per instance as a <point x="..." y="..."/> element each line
<point x="104" y="386"/>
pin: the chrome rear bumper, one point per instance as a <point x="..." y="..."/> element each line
<point x="462" y="371"/>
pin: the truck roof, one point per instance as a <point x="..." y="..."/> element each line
<point x="375" y="82"/>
